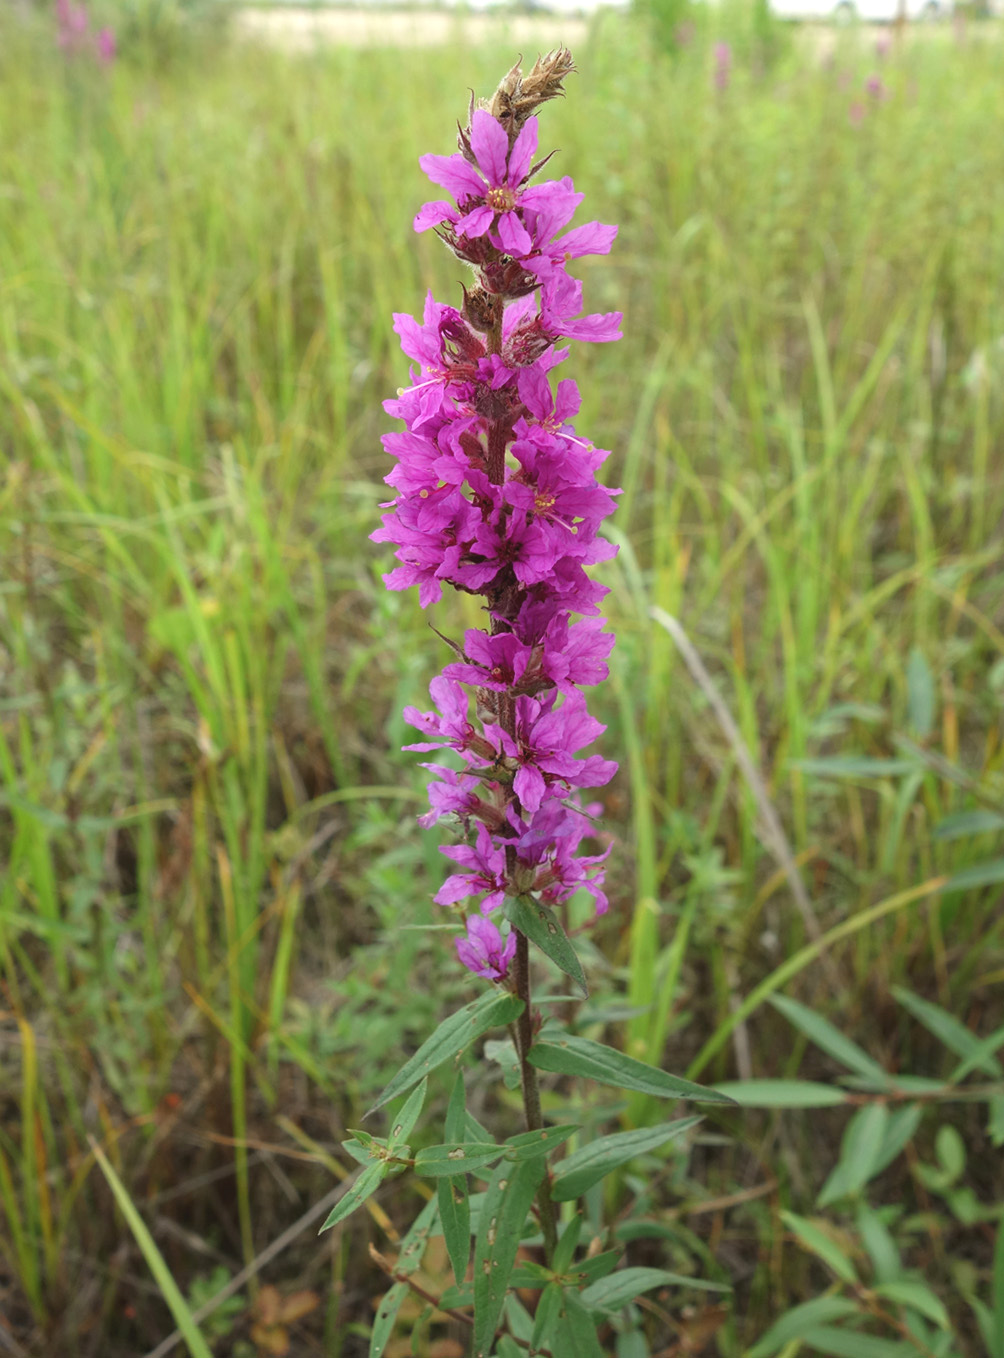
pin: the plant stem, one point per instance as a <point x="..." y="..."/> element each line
<point x="499" y="433"/>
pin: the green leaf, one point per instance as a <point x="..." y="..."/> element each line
<point x="782" y="1093"/>
<point x="548" y="1316"/>
<point x="879" y="1243"/>
<point x="982" y="874"/>
<point x="366" y="1184"/>
<point x="455" y="1214"/>
<point x="414" y="1243"/>
<point x="578" y="1056"/>
<point x="503" y="1053"/>
<point x="852" y="1344"/>
<point x="361" y="1151"/>
<point x="577" y="1173"/>
<point x="965" y="823"/>
<point x="454" y="1157"/>
<point x="456" y="1298"/>
<point x="386" y="1318"/>
<point x="542" y="926"/>
<point x="920" y="694"/>
<point x="860" y="1149"/>
<point x="814" y="1239"/>
<point x="918" y="1297"/>
<point x="529" y="1274"/>
<point x="617" y="1289"/>
<point x="526" y="1145"/>
<point x="947" y="1029"/>
<point x="794" y="1324"/>
<point x="900" y="1129"/>
<point x="507" y="1202"/>
<point x="588" y="1271"/>
<point x="985" y="1047"/>
<point x="454" y="1204"/>
<point x="579" y="1328"/>
<point x="493" y="1009"/>
<point x="820" y="1031"/>
<point x="567" y="1244"/>
<point x="408" y="1116"/>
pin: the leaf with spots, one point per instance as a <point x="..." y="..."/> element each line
<point x="409" y="1258"/>
<point x="508" y="1200"/>
<point x="526" y="1145"/>
<point x="404" y="1123"/>
<point x="542" y="926"/>
<point x="386" y="1318"/>
<point x="455" y="1156"/>
<point x="493" y="1009"/>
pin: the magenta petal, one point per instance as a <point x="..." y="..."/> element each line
<point x="529" y="787"/>
<point x="491" y="146"/>
<point x="592" y="239"/>
<point x="513" y="235"/>
<point x="434" y="213"/>
<point x="476" y="222"/>
<point x="454" y="173"/>
<point x="522" y="153"/>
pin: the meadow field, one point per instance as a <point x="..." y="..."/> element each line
<point x="216" y="932"/>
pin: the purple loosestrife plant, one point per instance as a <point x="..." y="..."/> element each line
<point x="496" y="495"/>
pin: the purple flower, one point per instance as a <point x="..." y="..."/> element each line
<point x="490" y="196"/>
<point x="483" y="951"/>
<point x="486" y="873"/>
<point x="497" y="495"/>
<point x="876" y="87"/>
<point x="723" y="65"/>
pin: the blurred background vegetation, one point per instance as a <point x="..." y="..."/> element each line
<point x="214" y="898"/>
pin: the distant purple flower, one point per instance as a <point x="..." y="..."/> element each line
<point x="106" y="45"/>
<point x="875" y="87"/>
<point x="883" y="46"/>
<point x="483" y="951"/>
<point x="856" y="113"/>
<point x="73" y="33"/>
<point x="723" y="65"/>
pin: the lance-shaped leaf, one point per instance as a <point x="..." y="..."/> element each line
<point x="548" y="1315"/>
<point x="364" y="1151"/>
<point x="542" y="926"/>
<point x="453" y="1156"/>
<point x="408" y="1259"/>
<point x="617" y="1289"/>
<point x="454" y="1205"/>
<point x="507" y="1202"/>
<point x="526" y="1145"/>
<point x="579" y="1328"/>
<point x="578" y="1056"/>
<point x="493" y="1009"/>
<point x="386" y="1318"/>
<point x="404" y="1124"/>
<point x="366" y="1184"/>
<point x="577" y="1173"/>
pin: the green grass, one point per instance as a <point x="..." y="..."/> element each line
<point x="206" y="823"/>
